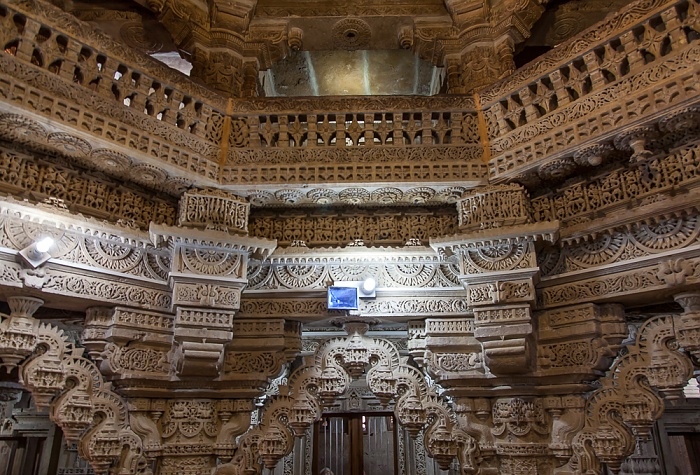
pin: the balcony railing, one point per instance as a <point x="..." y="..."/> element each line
<point x="357" y="140"/>
<point x="591" y="85"/>
<point x="121" y="96"/>
<point x="610" y="76"/>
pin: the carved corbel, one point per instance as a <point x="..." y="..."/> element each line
<point x="234" y="16"/>
<point x="219" y="69"/>
<point x="484" y="38"/>
<point x="593" y="155"/>
<point x="129" y="344"/>
<point x="636" y="140"/>
<point x="295" y="39"/>
<point x="143" y="417"/>
<point x="567" y="419"/>
<point x="580" y="341"/>
<point x="235" y="417"/>
<point x="480" y="65"/>
<point x="94" y="337"/>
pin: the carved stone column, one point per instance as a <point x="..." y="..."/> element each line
<point x="498" y="267"/>
<point x="210" y="252"/>
<point x="189" y="434"/>
<point x="479" y="65"/>
<point x="191" y="375"/>
<point x="222" y="70"/>
<point x="687" y="324"/>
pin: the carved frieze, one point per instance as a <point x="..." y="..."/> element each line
<point x="578" y="203"/>
<point x="213" y="208"/>
<point x="19" y="172"/>
<point x="659" y="276"/>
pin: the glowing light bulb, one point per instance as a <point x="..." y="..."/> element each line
<point x="44" y="244"/>
<point x="368" y="285"/>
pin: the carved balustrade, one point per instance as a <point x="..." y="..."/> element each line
<point x="618" y="74"/>
<point x="160" y="125"/>
<point x="530" y="121"/>
<point x="62" y="69"/>
<point x="356" y="139"/>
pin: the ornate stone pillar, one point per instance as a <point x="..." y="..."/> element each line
<point x="210" y="252"/>
<point x="191" y="375"/>
<point x="222" y="70"/>
<point x="687" y="324"/>
<point x="498" y="268"/>
<point x="479" y="65"/>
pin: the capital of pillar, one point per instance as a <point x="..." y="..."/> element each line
<point x="18" y="332"/>
<point x="479" y="65"/>
<point x="226" y="71"/>
<point x="687" y="324"/>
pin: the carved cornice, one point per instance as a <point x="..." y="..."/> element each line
<point x="543" y="231"/>
<point x="193" y="237"/>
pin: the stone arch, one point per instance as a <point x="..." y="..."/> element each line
<point x="79" y="400"/>
<point x="335" y="363"/>
<point x="656" y="367"/>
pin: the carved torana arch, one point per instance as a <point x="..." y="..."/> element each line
<point x="335" y="363"/>
<point x="79" y="400"/>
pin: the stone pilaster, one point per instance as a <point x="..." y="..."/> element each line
<point x="479" y="65"/>
<point x="19" y="332"/>
<point x="220" y="69"/>
<point x="687" y="324"/>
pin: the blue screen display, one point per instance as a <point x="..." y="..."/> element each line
<point x="342" y="298"/>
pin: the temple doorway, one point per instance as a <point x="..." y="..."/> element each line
<point x="356" y="444"/>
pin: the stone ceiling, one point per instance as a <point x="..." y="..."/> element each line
<point x="322" y="47"/>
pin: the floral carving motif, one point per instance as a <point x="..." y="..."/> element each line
<point x="146" y="360"/>
<point x="83" y="193"/>
<point x="518" y="417"/>
<point x="639" y="240"/>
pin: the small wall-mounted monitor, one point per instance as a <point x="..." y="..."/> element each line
<point x="343" y="298"/>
